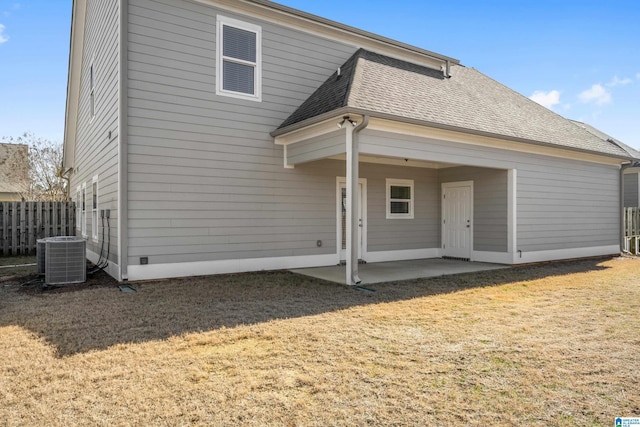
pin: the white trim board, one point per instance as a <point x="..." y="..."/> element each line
<point x="492" y="257"/>
<point x="112" y="269"/>
<point x="203" y="268"/>
<point x="403" y="255"/>
<point x="560" y="254"/>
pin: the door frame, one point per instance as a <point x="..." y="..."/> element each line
<point x="454" y="184"/>
<point x="362" y="253"/>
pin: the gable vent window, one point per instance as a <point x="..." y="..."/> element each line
<point x="238" y="59"/>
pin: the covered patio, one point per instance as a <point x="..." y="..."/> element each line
<point x="392" y="271"/>
<point x="499" y="177"/>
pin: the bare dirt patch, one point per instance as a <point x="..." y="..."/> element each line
<point x="556" y="344"/>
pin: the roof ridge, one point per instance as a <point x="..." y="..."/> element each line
<point x="355" y="57"/>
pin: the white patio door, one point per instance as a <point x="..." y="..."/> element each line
<point x="457" y="219"/>
<point x="342" y="217"/>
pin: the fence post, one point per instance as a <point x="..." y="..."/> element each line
<point x="4" y="243"/>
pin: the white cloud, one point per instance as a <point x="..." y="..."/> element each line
<point x="617" y="81"/>
<point x="638" y="76"/>
<point x="546" y="99"/>
<point x="596" y="94"/>
<point x="2" y="37"/>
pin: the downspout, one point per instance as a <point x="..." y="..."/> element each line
<point x="353" y="179"/>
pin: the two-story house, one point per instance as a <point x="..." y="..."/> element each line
<point x="216" y="136"/>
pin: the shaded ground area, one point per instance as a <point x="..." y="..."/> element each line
<point x="552" y="344"/>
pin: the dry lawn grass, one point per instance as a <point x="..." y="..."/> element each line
<point x="557" y="344"/>
<point x="13" y="267"/>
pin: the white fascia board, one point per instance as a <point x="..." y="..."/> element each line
<point x="314" y="130"/>
<point x="73" y="83"/>
<point x="331" y="30"/>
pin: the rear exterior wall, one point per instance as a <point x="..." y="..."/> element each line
<point x="206" y="181"/>
<point x="561" y="203"/>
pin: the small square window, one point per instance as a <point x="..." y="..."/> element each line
<point x="238" y="61"/>
<point x="400" y="199"/>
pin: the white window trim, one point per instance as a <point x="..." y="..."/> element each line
<point x="83" y="207"/>
<point x="95" y="210"/>
<point x="220" y="22"/>
<point x="402" y="183"/>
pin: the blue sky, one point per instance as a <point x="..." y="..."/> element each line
<point x="581" y="58"/>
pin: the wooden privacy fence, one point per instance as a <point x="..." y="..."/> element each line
<point x="632" y="230"/>
<point x="23" y="223"/>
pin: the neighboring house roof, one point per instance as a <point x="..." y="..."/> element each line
<point x="468" y="101"/>
<point x="14" y="167"/>
<point x="597" y="132"/>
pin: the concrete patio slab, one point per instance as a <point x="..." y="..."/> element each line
<point x="399" y="270"/>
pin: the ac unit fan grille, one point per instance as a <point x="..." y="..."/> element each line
<point x="65" y="260"/>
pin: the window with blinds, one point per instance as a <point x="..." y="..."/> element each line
<point x="238" y="59"/>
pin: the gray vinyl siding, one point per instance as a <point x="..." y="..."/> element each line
<point x="206" y="181"/>
<point x="561" y="203"/>
<point x="398" y="234"/>
<point x="96" y="153"/>
<point x="489" y="204"/>
<point x="631" y="190"/>
<point x="318" y="147"/>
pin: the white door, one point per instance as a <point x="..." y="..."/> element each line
<point x="342" y="218"/>
<point x="457" y="219"/>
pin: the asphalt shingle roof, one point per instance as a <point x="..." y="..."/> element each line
<point x="468" y="100"/>
<point x="597" y="132"/>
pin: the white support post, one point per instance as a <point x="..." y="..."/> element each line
<point x="351" y="271"/>
<point x="512" y="215"/>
